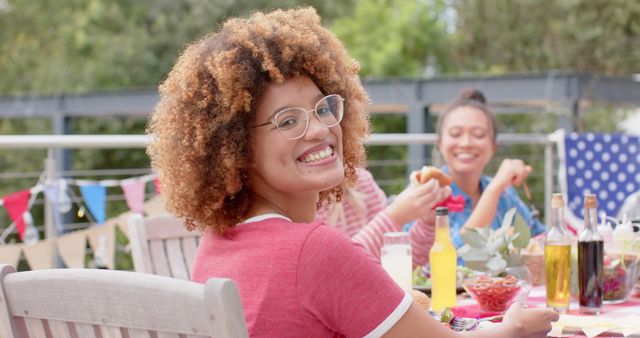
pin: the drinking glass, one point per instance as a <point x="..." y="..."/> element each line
<point x="396" y="258"/>
<point x="523" y="275"/>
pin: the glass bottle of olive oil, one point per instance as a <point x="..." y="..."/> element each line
<point x="557" y="256"/>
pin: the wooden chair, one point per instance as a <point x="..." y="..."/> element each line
<point x="161" y="245"/>
<point x="91" y="303"/>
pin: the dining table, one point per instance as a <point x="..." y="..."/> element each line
<point x="615" y="320"/>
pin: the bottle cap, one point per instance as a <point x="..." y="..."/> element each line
<point x="442" y="211"/>
<point x="557" y="201"/>
<point x="604" y="228"/>
<point x="590" y="201"/>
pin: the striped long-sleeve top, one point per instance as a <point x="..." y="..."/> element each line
<point x="362" y="216"/>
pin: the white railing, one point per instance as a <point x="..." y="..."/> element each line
<point x="55" y="142"/>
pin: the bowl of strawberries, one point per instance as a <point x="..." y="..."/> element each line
<point x="496" y="294"/>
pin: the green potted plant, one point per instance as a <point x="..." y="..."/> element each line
<point x="497" y="255"/>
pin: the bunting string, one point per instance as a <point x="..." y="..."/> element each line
<point x="57" y="192"/>
<point x="71" y="246"/>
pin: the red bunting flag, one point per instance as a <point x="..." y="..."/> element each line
<point x="156" y="184"/>
<point x="17" y="204"/>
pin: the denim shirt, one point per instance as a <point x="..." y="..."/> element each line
<point x="508" y="199"/>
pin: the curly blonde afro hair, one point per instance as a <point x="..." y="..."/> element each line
<point x="202" y="124"/>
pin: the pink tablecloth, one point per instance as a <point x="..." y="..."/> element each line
<point x="468" y="307"/>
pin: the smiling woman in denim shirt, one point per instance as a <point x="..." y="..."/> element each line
<point x="467" y="133"/>
<point x="508" y="199"/>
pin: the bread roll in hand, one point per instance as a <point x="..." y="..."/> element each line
<point x="428" y="172"/>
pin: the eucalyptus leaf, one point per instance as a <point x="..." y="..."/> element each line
<point x="496" y="244"/>
<point x="489" y="249"/>
<point x="476" y="265"/>
<point x="496" y="264"/>
<point x="502" y="231"/>
<point x="486" y="231"/>
<point x="474" y="254"/>
<point x="507" y="220"/>
<point x="474" y="238"/>
<point x="523" y="231"/>
<point x="463" y="249"/>
<point x="513" y="237"/>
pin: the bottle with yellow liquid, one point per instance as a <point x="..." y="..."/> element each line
<point x="557" y="256"/>
<point x="442" y="258"/>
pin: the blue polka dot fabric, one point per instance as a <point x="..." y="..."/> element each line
<point x="607" y="165"/>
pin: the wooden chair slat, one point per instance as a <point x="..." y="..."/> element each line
<point x="59" y="329"/>
<point x="169" y="335"/>
<point x="139" y="244"/>
<point x="165" y="227"/>
<point x="159" y="258"/>
<point x="135" y="333"/>
<point x="175" y="256"/>
<point x="189" y="246"/>
<point x="85" y="330"/>
<point x="74" y="303"/>
<point x="34" y="327"/>
<point x="161" y="245"/>
<point x="110" y="331"/>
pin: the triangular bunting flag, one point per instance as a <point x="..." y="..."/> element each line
<point x="134" y="194"/>
<point x="155" y="206"/>
<point x="17" y="204"/>
<point x="102" y="241"/>
<point x="121" y="222"/>
<point x="10" y="254"/>
<point x="71" y="248"/>
<point x="95" y="196"/>
<point x="40" y="255"/>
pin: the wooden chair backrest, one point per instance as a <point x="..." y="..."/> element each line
<point x="162" y="246"/>
<point x="91" y="303"/>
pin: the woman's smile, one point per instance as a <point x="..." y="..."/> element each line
<point x="318" y="155"/>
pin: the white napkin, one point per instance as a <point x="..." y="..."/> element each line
<point x="592" y="326"/>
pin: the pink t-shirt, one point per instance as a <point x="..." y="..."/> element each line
<point x="302" y="280"/>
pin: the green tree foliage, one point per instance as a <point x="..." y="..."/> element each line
<point x="396" y="38"/>
<point x="79" y="45"/>
<point x="388" y="164"/>
<point x="499" y="36"/>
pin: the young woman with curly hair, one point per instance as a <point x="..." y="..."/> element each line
<point x="256" y="125"/>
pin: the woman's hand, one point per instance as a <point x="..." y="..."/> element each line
<point x="417" y="201"/>
<point x="511" y="172"/>
<point x="529" y="323"/>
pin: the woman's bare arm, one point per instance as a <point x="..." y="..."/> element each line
<point x="518" y="322"/>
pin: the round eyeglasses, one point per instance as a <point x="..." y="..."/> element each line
<point x="292" y="123"/>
